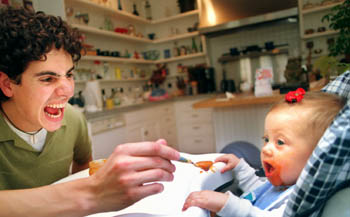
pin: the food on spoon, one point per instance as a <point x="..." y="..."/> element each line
<point x="205" y="165"/>
<point x="95" y="165"/>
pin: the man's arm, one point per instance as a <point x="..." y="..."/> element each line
<point x="76" y="167"/>
<point x="116" y="185"/>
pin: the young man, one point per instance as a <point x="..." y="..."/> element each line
<point x="41" y="134"/>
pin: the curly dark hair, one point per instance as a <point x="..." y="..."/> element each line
<point x="26" y="36"/>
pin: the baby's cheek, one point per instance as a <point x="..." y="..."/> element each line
<point x="290" y="174"/>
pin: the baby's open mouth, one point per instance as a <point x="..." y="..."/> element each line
<point x="54" y="110"/>
<point x="268" y="169"/>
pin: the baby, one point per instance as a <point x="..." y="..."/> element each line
<point x="292" y="130"/>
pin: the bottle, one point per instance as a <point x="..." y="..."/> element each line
<point x="118" y="74"/>
<point x="175" y="50"/>
<point x="194" y="46"/>
<point x="104" y="97"/>
<point x="121" y="96"/>
<point x="120" y="5"/>
<point x="115" y="96"/>
<point x="148" y="10"/>
<point x="135" y="12"/>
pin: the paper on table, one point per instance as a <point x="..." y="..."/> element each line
<point x="187" y="179"/>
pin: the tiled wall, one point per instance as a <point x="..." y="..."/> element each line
<point x="280" y="32"/>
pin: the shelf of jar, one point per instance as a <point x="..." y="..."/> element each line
<point x="116" y="59"/>
<point x="319" y="8"/>
<point x="115" y="80"/>
<point x="320" y="34"/>
<point x="176" y="17"/>
<point x="230" y="58"/>
<point x="141" y="61"/>
<point x="178" y="58"/>
<point x="126" y="15"/>
<point x="106" y="10"/>
<point x="94" y="30"/>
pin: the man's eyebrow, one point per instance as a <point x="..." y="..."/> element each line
<point x="51" y="73"/>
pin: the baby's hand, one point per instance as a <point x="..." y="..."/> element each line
<point x="210" y="200"/>
<point x="230" y="160"/>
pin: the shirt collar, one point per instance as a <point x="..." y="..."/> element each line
<point x="9" y="135"/>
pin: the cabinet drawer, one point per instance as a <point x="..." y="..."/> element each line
<point x="165" y="110"/>
<point x="195" y="130"/>
<point x="194" y="117"/>
<point x="185" y="105"/>
<point x="168" y="121"/>
<point x="197" y="145"/>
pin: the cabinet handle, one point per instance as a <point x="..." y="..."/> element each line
<point x="145" y="133"/>
<point x="195" y="116"/>
<point x="197" y="140"/>
<point x="196" y="127"/>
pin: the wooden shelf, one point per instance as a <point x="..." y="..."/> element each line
<point x="107" y="11"/>
<point x="238" y="100"/>
<point x="319" y="8"/>
<point x="94" y="30"/>
<point x="116" y="59"/>
<point x="320" y="34"/>
<point x="141" y="61"/>
<point x="185" y="57"/>
<point x="176" y="17"/>
<point x="230" y="58"/>
<point x="176" y="37"/>
<point x="115" y="81"/>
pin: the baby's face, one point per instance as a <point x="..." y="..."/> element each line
<point x="287" y="146"/>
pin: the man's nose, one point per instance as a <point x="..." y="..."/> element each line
<point x="65" y="88"/>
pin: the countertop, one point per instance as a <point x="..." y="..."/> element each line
<point x="237" y="100"/>
<point x="120" y="109"/>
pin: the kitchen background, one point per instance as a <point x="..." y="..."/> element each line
<point x="149" y="61"/>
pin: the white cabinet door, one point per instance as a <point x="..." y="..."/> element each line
<point x="195" y="133"/>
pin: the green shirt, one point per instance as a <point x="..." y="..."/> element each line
<point x="21" y="166"/>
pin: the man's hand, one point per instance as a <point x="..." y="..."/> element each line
<point x="130" y="174"/>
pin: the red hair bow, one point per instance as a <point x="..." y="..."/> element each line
<point x="295" y="96"/>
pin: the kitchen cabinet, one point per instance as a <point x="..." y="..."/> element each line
<point x="106" y="133"/>
<point x="195" y="131"/>
<point x="312" y="30"/>
<point x="152" y="123"/>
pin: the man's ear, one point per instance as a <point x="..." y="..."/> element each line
<point x="5" y="84"/>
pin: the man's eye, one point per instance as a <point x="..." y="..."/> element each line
<point x="70" y="75"/>
<point x="48" y="79"/>
<point x="280" y="142"/>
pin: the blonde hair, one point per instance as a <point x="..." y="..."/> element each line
<point x="321" y="107"/>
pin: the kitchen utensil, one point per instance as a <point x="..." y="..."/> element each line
<point x="185" y="160"/>
<point x="204" y="165"/>
<point x="270" y="45"/>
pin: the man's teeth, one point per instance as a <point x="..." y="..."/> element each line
<point x="54" y="116"/>
<point x="56" y="105"/>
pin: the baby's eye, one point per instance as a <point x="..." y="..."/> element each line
<point x="265" y="139"/>
<point x="280" y="142"/>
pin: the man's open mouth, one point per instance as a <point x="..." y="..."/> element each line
<point x="54" y="110"/>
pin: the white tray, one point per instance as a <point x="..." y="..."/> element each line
<point x="187" y="179"/>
